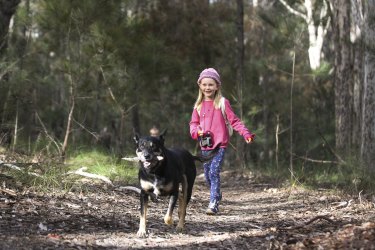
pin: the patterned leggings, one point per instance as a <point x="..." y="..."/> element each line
<point x="212" y="173"/>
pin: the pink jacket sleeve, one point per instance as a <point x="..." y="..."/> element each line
<point x="194" y="124"/>
<point x="235" y="122"/>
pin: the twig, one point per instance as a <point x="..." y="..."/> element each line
<point x="316" y="161"/>
<point x="359" y="197"/>
<point x="113" y="97"/>
<point x="293" y="175"/>
<point x="46" y="132"/>
<point x="70" y="115"/>
<point x="319" y="217"/>
<point x="331" y="150"/>
<point x="255" y="226"/>
<point x="84" y="128"/>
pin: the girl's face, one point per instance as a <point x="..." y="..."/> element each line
<point x="208" y="87"/>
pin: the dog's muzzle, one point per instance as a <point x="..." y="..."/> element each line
<point x="147" y="159"/>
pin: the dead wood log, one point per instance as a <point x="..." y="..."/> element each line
<point x="319" y="217"/>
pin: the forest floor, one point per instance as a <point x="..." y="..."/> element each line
<point x="253" y="215"/>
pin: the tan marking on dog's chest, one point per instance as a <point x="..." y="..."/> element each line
<point x="156" y="186"/>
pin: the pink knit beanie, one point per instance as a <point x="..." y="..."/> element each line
<point x="209" y="73"/>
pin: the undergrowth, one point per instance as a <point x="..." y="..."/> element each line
<point x="48" y="174"/>
<point x="349" y="177"/>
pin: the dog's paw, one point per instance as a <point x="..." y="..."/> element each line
<point x="180" y="229"/>
<point x="168" y="220"/>
<point x="141" y="233"/>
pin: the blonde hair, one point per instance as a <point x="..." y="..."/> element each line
<point x="198" y="102"/>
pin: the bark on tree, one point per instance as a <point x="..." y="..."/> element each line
<point x="240" y="73"/>
<point x="7" y="10"/>
<point x="356" y="34"/>
<point x="368" y="114"/>
<point x="343" y="76"/>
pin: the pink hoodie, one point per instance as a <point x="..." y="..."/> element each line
<point x="212" y="120"/>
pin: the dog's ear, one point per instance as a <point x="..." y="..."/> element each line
<point x="162" y="136"/>
<point x="136" y="138"/>
<point x="164" y="132"/>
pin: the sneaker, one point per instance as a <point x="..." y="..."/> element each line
<point x="213" y="208"/>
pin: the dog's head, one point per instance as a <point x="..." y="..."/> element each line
<point x="149" y="150"/>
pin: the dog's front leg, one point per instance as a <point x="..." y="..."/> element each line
<point x="168" y="219"/>
<point x="143" y="215"/>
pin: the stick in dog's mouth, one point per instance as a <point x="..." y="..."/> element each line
<point x="145" y="162"/>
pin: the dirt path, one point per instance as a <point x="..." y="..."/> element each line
<point x="253" y="216"/>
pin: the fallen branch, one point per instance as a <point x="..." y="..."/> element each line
<point x="319" y="217"/>
<point x="342" y="204"/>
<point x="82" y="172"/>
<point x="316" y="161"/>
<point x="8" y="191"/>
<point x="131" y="188"/>
<point x="15" y="167"/>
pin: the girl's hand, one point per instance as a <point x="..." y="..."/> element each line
<point x="250" y="138"/>
<point x="200" y="131"/>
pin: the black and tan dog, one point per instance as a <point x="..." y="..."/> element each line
<point x="160" y="174"/>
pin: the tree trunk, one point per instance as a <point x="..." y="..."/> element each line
<point x="343" y="76"/>
<point x="368" y="114"/>
<point x="356" y="37"/>
<point x="240" y="73"/>
<point x="316" y="30"/>
<point x="7" y="10"/>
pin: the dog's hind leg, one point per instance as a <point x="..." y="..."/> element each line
<point x="182" y="204"/>
<point x="143" y="215"/>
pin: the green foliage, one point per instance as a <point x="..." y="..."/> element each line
<point x="104" y="164"/>
<point x="350" y="177"/>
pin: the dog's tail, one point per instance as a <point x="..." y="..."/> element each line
<point x="205" y="158"/>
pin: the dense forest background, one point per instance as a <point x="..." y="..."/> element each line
<point x="86" y="74"/>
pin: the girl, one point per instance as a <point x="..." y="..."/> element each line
<point x="209" y="125"/>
